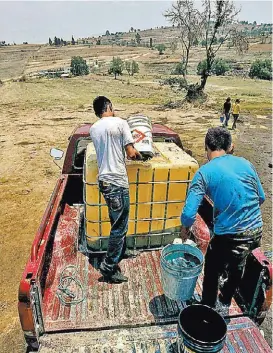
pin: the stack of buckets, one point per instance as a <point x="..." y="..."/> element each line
<point x="200" y="328"/>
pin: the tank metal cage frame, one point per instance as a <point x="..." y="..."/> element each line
<point x="163" y="233"/>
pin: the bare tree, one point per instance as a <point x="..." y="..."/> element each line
<point x="188" y="19"/>
<point x="240" y="41"/>
<point x="216" y="18"/>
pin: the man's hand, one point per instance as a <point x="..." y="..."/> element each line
<point x="132" y="153"/>
<point x="185" y="232"/>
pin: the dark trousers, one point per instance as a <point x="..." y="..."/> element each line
<point x="118" y="202"/>
<point x="225" y="253"/>
<point x="227" y="116"/>
<point x="235" y="118"/>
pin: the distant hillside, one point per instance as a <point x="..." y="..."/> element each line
<point x="165" y="35"/>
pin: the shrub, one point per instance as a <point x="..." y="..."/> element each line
<point x="219" y="67"/>
<point x="261" y="69"/>
<point x="79" y="66"/>
<point x="179" y="69"/>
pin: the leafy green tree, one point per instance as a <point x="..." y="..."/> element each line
<point x="49" y="41"/>
<point x="107" y="33"/>
<point x="261" y="69"/>
<point x="72" y="41"/>
<point x="151" y="42"/>
<point x="55" y="41"/>
<point x="138" y="38"/>
<point x="161" y="48"/>
<point x="79" y="66"/>
<point x="116" y="67"/>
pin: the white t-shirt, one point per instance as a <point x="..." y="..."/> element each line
<point x="110" y="135"/>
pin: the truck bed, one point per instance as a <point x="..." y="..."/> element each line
<point x="140" y="302"/>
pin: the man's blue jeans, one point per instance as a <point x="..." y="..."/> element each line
<point x="118" y="202"/>
<point x="227" y="116"/>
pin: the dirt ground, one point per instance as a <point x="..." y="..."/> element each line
<point x="41" y="113"/>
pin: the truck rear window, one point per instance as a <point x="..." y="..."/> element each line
<point x="80" y="152"/>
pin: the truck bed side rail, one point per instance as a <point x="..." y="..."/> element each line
<point x="35" y="263"/>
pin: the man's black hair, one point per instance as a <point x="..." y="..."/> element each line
<point x="100" y="105"/>
<point x="218" y="138"/>
<point x="228" y="99"/>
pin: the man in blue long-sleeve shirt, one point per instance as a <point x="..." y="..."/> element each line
<point x="234" y="187"/>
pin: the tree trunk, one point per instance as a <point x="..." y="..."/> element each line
<point x="187" y="59"/>
<point x="204" y="78"/>
<point x="115" y="76"/>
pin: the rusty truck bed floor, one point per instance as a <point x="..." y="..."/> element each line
<point x="242" y="336"/>
<point x="140" y="302"/>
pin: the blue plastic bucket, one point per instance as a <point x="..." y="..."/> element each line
<point x="178" y="279"/>
<point x="201" y="330"/>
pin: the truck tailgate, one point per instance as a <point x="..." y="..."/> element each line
<point x="243" y="336"/>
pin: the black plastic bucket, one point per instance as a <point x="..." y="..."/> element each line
<point x="200" y="329"/>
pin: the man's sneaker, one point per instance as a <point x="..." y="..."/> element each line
<point x="117" y="277"/>
<point x="104" y="269"/>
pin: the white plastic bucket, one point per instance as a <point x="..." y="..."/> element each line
<point x="178" y="281"/>
<point x="141" y="129"/>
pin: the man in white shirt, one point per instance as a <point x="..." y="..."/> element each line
<point x="112" y="138"/>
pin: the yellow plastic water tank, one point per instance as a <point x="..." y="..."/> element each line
<point x="158" y="190"/>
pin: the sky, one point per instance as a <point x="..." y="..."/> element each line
<point x="36" y="21"/>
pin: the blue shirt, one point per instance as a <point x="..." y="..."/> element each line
<point x="234" y="187"/>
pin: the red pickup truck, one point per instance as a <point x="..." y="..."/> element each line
<point x="131" y="317"/>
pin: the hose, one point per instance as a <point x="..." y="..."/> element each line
<point x="67" y="296"/>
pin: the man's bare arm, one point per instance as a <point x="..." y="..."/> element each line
<point x="132" y="153"/>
